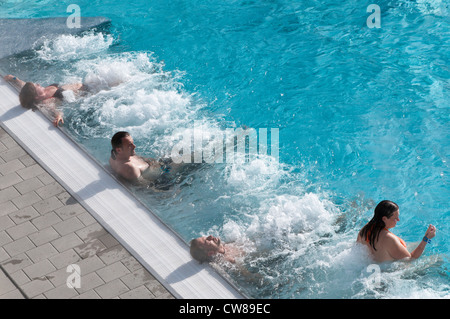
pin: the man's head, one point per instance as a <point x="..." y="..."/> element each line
<point x="204" y="248"/>
<point x="31" y="94"/>
<point x="122" y="145"/>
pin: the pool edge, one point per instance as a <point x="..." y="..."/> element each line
<point x="207" y="271"/>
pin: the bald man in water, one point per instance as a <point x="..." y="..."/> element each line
<point x="205" y="248"/>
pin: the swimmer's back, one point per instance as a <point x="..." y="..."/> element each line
<point x="383" y="244"/>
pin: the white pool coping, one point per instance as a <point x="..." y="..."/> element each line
<point x="162" y="252"/>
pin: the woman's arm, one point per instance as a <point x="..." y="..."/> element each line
<point x="75" y="87"/>
<point x="430" y="233"/>
<point x="398" y="251"/>
<point x="50" y="110"/>
<point x="14" y="80"/>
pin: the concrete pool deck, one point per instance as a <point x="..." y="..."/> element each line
<point x="43" y="230"/>
<point x="59" y="207"/>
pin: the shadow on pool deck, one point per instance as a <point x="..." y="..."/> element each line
<point x="43" y="230"/>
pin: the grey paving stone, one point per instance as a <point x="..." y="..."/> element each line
<point x="59" y="277"/>
<point x="113" y="254"/>
<point x="7" y="208"/>
<point x="46" y="220"/>
<point x="66" y="242"/>
<point x="9" y="180"/>
<point x="89" y="282"/>
<point x="61" y="292"/>
<point x="164" y="294"/>
<point x="113" y="271"/>
<point x="69" y="211"/>
<point x="12" y="153"/>
<point x="90" y="248"/>
<point x="37" y="287"/>
<point x="30" y="171"/>
<point x="91" y="294"/>
<point x="26" y="200"/>
<point x="131" y="263"/>
<point x="3" y="254"/>
<point x="6" y="222"/>
<point x="4" y="238"/>
<point x="43" y="236"/>
<point x="41" y="252"/>
<point x="86" y="218"/>
<point x="90" y="264"/>
<point x="23" y="215"/>
<point x="108" y="240"/>
<point x="64" y="259"/>
<point x="9" y="142"/>
<point x="66" y="198"/>
<point x="5" y="284"/>
<point x="27" y="160"/>
<point x="11" y="166"/>
<point x="39" y="269"/>
<point x="157" y="289"/>
<point x="2" y="149"/>
<point x="16" y="263"/>
<point x="8" y="194"/>
<point x="47" y="205"/>
<point x="137" y="278"/>
<point x="15" y="294"/>
<point x="140" y="292"/>
<point x="20" y="278"/>
<point x="91" y="232"/>
<point x="68" y="226"/>
<point x="21" y="230"/>
<point x="19" y="246"/>
<point x="111" y="289"/>
<point x="28" y="185"/>
<point x="45" y="178"/>
<point x="50" y="190"/>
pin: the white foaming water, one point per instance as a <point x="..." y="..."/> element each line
<point x="72" y="47"/>
<point x="297" y="221"/>
<point x="291" y="235"/>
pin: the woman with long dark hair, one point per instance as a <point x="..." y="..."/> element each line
<point x="384" y="245"/>
<point x="32" y="95"/>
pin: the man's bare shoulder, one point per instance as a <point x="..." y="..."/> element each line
<point x="126" y="169"/>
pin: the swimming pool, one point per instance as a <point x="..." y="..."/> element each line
<point x="363" y="115"/>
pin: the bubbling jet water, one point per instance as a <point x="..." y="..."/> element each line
<point x="293" y="237"/>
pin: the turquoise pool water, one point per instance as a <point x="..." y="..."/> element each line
<point x="363" y="115"/>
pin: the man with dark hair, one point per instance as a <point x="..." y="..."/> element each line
<point x="125" y="163"/>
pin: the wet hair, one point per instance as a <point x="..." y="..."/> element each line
<point x="116" y="141"/>
<point x="372" y="229"/>
<point x="27" y="96"/>
<point x="197" y="252"/>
